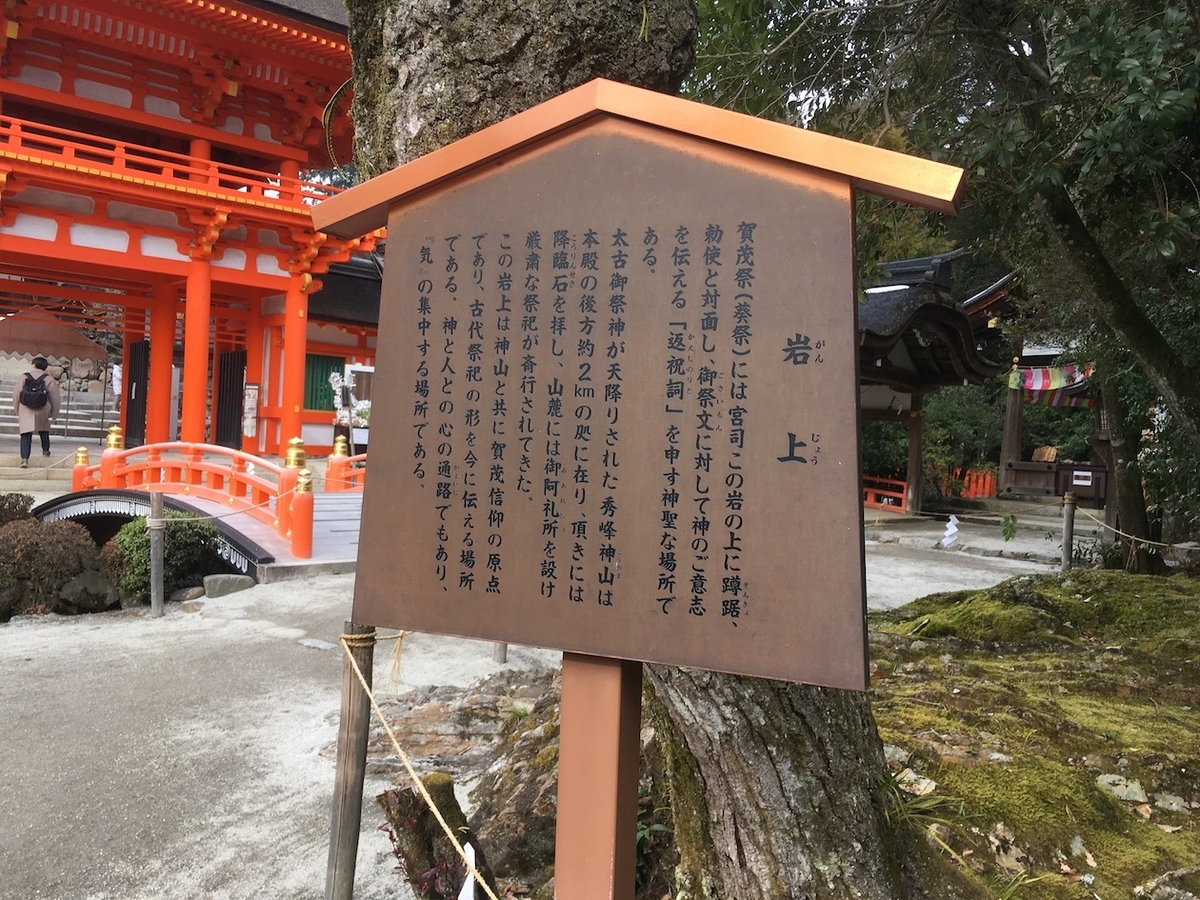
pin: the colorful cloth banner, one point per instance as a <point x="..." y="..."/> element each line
<point x="1053" y="385"/>
<point x="1050" y="378"/>
<point x="1058" y="398"/>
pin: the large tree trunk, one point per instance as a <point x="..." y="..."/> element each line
<point x="776" y="791"/>
<point x="428" y="72"/>
<point x="1127" y="491"/>
<point x="778" y="786"/>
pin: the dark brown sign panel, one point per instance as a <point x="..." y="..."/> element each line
<point x="616" y="410"/>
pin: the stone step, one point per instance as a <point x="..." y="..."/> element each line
<point x="74" y="409"/>
<point x="76" y="405"/>
<point x="34" y="475"/>
<point x="85" y="431"/>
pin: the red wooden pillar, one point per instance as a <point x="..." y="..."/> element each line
<point x="295" y="337"/>
<point x="162" y="356"/>
<point x="289" y="169"/>
<point x="270" y="399"/>
<point x="295" y="346"/>
<point x="198" y="310"/>
<point x="196" y="323"/>
<point x="302" y="516"/>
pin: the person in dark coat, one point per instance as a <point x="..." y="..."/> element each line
<point x="31" y="420"/>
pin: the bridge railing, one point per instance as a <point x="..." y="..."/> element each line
<point x="343" y="472"/>
<point x="280" y="496"/>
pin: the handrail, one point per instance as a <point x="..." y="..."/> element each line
<point x="21" y="137"/>
<point x="890" y="494"/>
<point x="345" y="473"/>
<point x="237" y="479"/>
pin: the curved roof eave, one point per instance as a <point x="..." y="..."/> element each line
<point x="943" y="324"/>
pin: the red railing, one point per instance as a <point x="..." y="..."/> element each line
<point x="885" y="493"/>
<point x="280" y="496"/>
<point x="20" y="138"/>
<point x="345" y="473"/>
<point x="977" y="484"/>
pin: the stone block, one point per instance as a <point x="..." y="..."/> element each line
<point x="220" y="585"/>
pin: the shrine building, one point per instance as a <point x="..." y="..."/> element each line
<point x="158" y="163"/>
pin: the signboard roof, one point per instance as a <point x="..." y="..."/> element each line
<point x="896" y="176"/>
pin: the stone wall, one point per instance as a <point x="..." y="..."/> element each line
<point x="75" y="375"/>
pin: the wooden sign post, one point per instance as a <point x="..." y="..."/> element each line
<point x="616" y="411"/>
<point x="599" y="749"/>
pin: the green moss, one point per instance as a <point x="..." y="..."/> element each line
<point x="1157" y="614"/>
<point x="547" y="759"/>
<point x="1137" y="725"/>
<point x="1014" y="699"/>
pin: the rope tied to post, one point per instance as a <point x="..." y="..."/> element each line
<point x="349" y="641"/>
<point x="359" y="640"/>
<point x="1129" y="537"/>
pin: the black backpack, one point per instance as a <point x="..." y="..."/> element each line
<point x="33" y="394"/>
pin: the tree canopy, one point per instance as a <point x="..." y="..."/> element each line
<point x="1077" y="122"/>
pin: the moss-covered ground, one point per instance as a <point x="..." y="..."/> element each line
<point x="1033" y="707"/>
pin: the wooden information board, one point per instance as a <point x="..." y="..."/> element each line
<point x="616" y="413"/>
<point x="616" y="410"/>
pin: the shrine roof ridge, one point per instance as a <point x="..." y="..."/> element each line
<point x="895" y="176"/>
<point x="328" y="14"/>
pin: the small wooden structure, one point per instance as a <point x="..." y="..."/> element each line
<point x="617" y="398"/>
<point x="1044" y="474"/>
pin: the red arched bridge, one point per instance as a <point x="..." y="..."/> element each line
<point x="270" y="521"/>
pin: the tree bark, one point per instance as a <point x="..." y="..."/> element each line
<point x="775" y="789"/>
<point x="1127" y="490"/>
<point x="428" y="72"/>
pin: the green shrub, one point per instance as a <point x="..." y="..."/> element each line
<point x="189" y="553"/>
<point x="15" y="506"/>
<point x="37" y="558"/>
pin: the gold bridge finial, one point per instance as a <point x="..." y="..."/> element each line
<point x="295" y="458"/>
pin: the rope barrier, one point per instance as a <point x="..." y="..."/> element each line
<point x="393" y="683"/>
<point x="1129" y="537"/>
<point x="245" y="509"/>
<point x="353" y="482"/>
<point x="879" y="520"/>
<point x="361" y="641"/>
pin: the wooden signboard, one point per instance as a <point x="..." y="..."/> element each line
<point x="616" y="412"/>
<point x="615" y="406"/>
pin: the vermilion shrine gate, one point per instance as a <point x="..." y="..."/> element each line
<point x="150" y="185"/>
